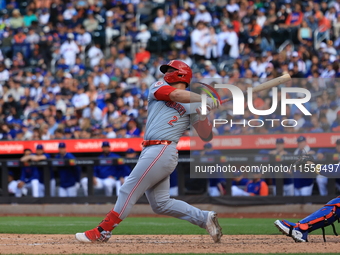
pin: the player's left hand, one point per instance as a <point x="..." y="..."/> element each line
<point x="199" y="112"/>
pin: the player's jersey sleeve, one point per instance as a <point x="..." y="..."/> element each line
<point x="154" y="87"/>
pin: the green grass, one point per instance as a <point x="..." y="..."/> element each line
<point x="141" y="226"/>
<point x="137" y="226"/>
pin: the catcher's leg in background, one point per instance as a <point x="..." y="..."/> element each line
<point x="323" y="217"/>
<point x="155" y="163"/>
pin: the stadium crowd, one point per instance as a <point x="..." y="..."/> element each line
<point x="81" y="68"/>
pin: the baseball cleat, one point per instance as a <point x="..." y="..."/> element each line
<point x="93" y="235"/>
<point x="292" y="230"/>
<point x="213" y="227"/>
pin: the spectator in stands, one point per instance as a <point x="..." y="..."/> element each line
<point x="104" y="175"/>
<point x="69" y="50"/>
<point x="261" y="17"/>
<point x="160" y="20"/>
<point x="142" y="56"/>
<point x="123" y="62"/>
<point x="44" y="17"/>
<point x="198" y="40"/>
<point x="95" y="54"/>
<point x="295" y="18"/>
<point x="16" y="21"/>
<point x="29" y="17"/>
<point x="180" y="36"/>
<point x="69" y="175"/>
<point x="93" y="113"/>
<point x="302" y="186"/>
<point x="324" y="24"/>
<point x="143" y="36"/>
<point x="4" y="74"/>
<point x="211" y="46"/>
<point x="132" y="129"/>
<point x="202" y="15"/>
<point x="90" y="23"/>
<point x="29" y="178"/>
<point x="304" y="32"/>
<point x="69" y="12"/>
<point x="335" y="127"/>
<point x="80" y="100"/>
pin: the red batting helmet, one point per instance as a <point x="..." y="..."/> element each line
<point x="183" y="72"/>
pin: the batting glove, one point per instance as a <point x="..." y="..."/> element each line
<point x="212" y="103"/>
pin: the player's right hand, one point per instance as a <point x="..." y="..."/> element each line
<point x="212" y="103"/>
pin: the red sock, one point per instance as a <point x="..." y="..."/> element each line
<point x="110" y="222"/>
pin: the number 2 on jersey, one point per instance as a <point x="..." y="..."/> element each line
<point x="174" y="119"/>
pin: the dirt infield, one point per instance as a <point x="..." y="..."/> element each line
<point x="220" y="215"/>
<point x="66" y="244"/>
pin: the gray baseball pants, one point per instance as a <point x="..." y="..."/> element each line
<point x="151" y="176"/>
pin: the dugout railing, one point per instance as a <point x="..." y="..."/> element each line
<point x="183" y="170"/>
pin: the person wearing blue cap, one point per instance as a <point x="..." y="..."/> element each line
<point x="29" y="178"/>
<point x="40" y="155"/>
<point x="19" y="135"/>
<point x="90" y="23"/>
<point x="104" y="176"/>
<point x="69" y="175"/>
<point x="302" y="186"/>
<point x="68" y="133"/>
<point x="279" y="150"/>
<point x="288" y="186"/>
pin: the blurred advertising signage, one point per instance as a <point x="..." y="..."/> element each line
<point x="316" y="140"/>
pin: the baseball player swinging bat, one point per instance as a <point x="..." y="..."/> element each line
<point x="169" y="116"/>
<point x="267" y="85"/>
